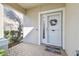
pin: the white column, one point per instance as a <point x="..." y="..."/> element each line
<point x="1" y="22"/>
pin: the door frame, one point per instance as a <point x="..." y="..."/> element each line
<point x="63" y="24"/>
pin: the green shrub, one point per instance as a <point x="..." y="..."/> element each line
<point x="2" y="52"/>
<point x="13" y="36"/>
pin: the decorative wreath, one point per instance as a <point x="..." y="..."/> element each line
<point x="53" y="22"/>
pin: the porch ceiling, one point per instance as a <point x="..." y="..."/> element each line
<point x="30" y="5"/>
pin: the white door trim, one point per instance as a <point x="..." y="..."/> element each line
<point x="49" y="11"/>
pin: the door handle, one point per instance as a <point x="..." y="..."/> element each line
<point x="53" y="30"/>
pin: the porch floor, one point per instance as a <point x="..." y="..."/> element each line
<point x="24" y="49"/>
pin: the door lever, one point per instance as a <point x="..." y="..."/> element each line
<point x="53" y="30"/>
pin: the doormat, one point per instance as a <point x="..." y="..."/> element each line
<point x="54" y="49"/>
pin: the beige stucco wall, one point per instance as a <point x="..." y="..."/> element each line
<point x="72" y="28"/>
<point x="31" y="20"/>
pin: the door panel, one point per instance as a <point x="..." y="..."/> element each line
<point x="54" y="29"/>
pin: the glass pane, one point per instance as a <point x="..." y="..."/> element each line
<point x="43" y="29"/>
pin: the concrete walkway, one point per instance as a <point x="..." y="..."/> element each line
<point x="24" y="49"/>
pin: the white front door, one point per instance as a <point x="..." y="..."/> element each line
<point x="53" y="27"/>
